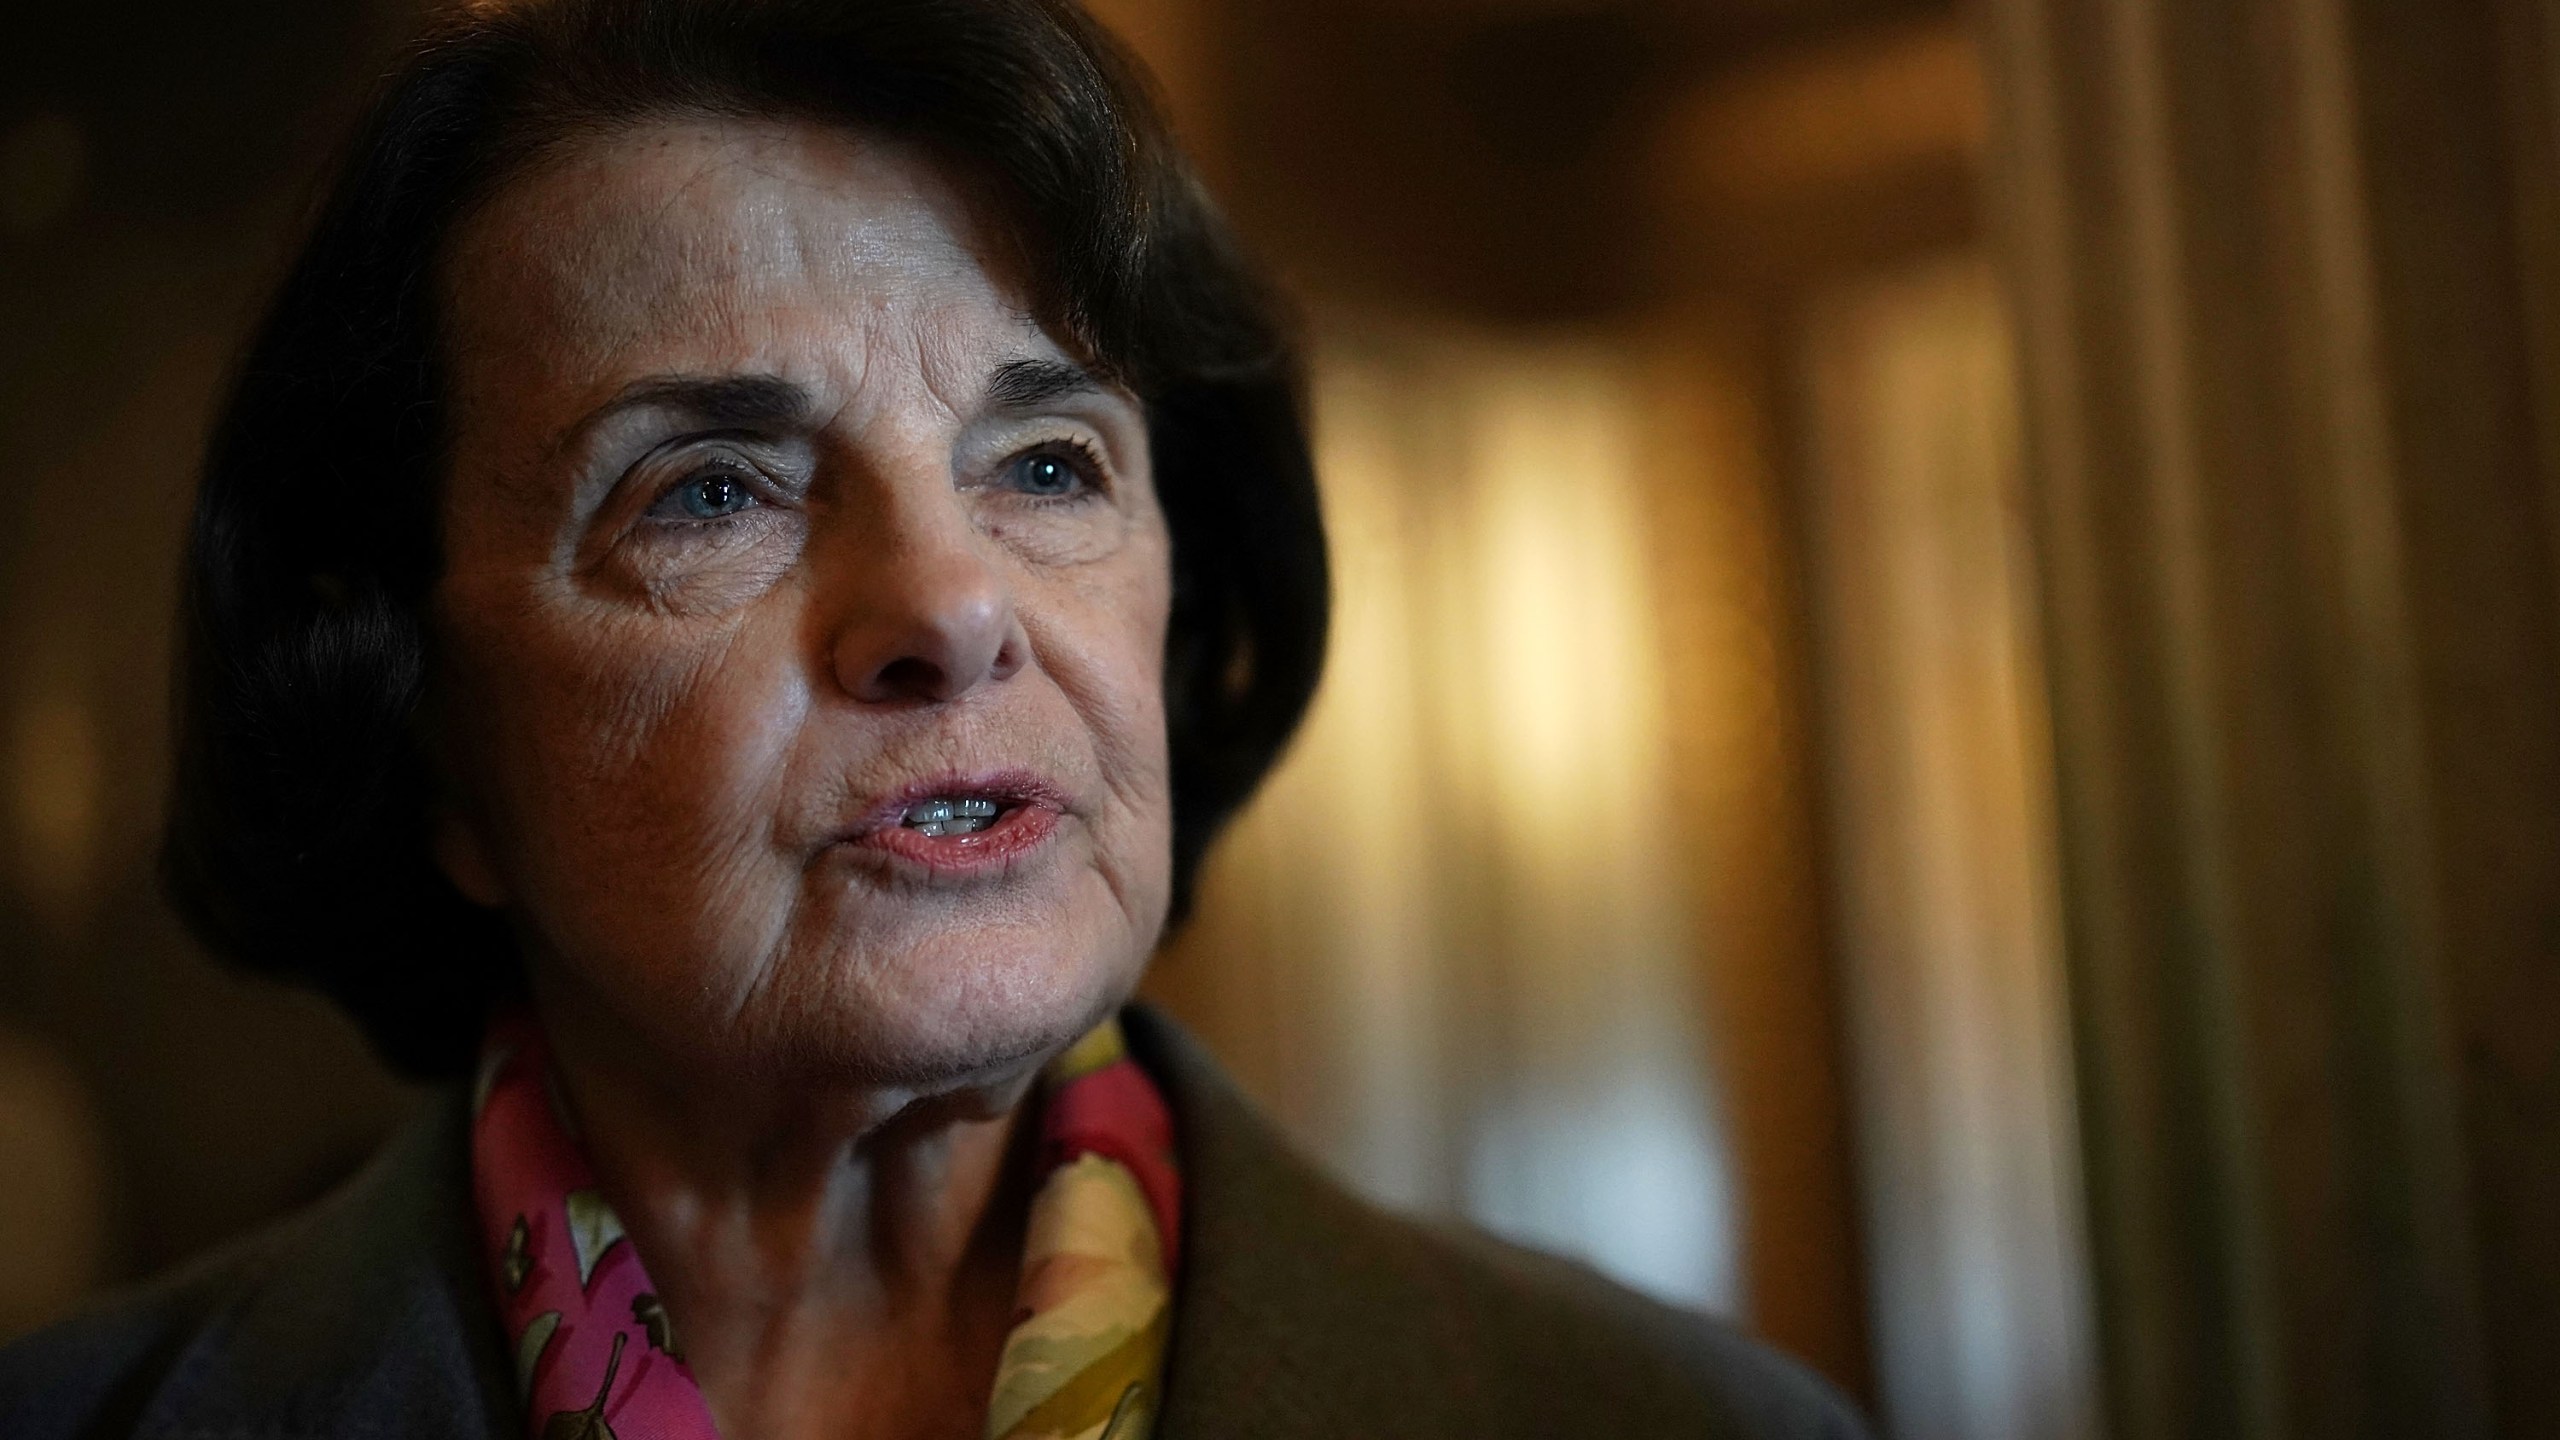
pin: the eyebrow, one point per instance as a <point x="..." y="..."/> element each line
<point x="745" y="401"/>
<point x="1031" y="384"/>
<point x="769" y="402"/>
<point x="732" y="402"/>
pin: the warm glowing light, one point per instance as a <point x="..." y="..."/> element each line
<point x="1464" y="874"/>
<point x="56" y="773"/>
<point x="1941" y="818"/>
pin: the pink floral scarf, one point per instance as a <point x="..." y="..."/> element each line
<point x="597" y="1358"/>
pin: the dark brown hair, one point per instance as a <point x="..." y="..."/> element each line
<point x="296" y="843"/>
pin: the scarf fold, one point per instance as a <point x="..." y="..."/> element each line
<point x="598" y="1358"/>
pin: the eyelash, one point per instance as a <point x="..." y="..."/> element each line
<point x="1083" y="456"/>
<point x="1080" y="453"/>
<point x="745" y="479"/>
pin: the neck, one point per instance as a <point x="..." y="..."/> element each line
<point x="838" y="1260"/>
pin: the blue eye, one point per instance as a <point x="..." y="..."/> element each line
<point x="1052" y="474"/>
<point x="708" y="496"/>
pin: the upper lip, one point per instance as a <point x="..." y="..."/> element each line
<point x="1009" y="788"/>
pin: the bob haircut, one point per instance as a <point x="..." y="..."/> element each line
<point x="297" y="834"/>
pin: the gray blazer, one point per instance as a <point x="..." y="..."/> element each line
<point x="1303" y="1313"/>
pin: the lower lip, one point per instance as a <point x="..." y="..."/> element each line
<point x="1016" y="833"/>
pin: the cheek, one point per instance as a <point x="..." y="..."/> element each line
<point x="1105" y="649"/>
<point x="628" y="769"/>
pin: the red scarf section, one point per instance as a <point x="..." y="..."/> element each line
<point x="598" y="1358"/>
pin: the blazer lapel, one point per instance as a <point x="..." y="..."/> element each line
<point x="1301" y="1311"/>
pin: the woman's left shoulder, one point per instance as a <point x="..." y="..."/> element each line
<point x="1558" y="1329"/>
<point x="1305" y="1310"/>
<point x="1319" y="1314"/>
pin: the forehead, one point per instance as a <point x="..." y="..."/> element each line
<point x="684" y="243"/>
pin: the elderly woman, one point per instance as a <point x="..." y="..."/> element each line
<point x="755" y="548"/>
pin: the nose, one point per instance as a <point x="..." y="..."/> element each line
<point x="925" y="618"/>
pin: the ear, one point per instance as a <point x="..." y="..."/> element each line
<point x="459" y="853"/>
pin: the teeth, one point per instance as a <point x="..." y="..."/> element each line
<point x="938" y="817"/>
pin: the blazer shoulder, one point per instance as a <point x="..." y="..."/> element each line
<point x="95" y="1373"/>
<point x="1586" y="1343"/>
<point x="1304" y="1309"/>
<point x="365" y="1314"/>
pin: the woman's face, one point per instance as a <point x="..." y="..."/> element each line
<point x="801" y="631"/>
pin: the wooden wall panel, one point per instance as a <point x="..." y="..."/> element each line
<point x="2294" y="493"/>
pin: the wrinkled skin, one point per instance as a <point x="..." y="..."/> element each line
<point x="766" y="501"/>
<point x="659" y="723"/>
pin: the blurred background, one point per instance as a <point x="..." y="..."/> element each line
<point x="1943" y="735"/>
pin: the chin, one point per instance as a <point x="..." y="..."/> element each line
<point x="959" y="1009"/>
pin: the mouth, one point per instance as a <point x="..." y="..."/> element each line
<point x="952" y="815"/>
<point x="958" y="824"/>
